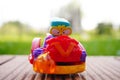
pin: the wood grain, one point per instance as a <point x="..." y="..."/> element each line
<point x="97" y="68"/>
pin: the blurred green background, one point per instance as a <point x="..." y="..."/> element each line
<point x="16" y="38"/>
<point x="94" y="24"/>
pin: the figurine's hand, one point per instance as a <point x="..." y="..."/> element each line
<point x="37" y="52"/>
<point x="83" y="56"/>
<point x="44" y="64"/>
<point x="30" y="58"/>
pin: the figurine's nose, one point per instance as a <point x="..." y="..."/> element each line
<point x="60" y="33"/>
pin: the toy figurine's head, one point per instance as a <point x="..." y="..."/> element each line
<point x="60" y="27"/>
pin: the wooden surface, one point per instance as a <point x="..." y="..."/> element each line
<point x="97" y="68"/>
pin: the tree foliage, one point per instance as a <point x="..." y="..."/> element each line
<point x="14" y="27"/>
<point x="104" y="28"/>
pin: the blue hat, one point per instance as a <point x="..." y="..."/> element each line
<point x="60" y="21"/>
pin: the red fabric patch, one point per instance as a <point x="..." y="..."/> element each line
<point x="64" y="42"/>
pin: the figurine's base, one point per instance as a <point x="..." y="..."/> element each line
<point x="69" y="69"/>
<point x="64" y="69"/>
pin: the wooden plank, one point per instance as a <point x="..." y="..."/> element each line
<point x="107" y="74"/>
<point x="24" y="73"/>
<point x="117" y="58"/>
<point x="85" y="76"/>
<point x="59" y="77"/>
<point x="21" y="72"/>
<point x="11" y="66"/>
<point x="15" y="73"/>
<point x="109" y="71"/>
<point x="39" y="77"/>
<point x="101" y="63"/>
<point x="77" y="77"/>
<point x="97" y="68"/>
<point x="31" y="74"/>
<point x="109" y="62"/>
<point x="5" y="58"/>
<point x="88" y="76"/>
<point x="27" y="73"/>
<point x="92" y="72"/>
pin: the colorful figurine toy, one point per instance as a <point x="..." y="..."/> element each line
<point x="60" y="54"/>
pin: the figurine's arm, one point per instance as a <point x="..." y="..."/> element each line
<point x="35" y="44"/>
<point x="83" y="56"/>
<point x="36" y="50"/>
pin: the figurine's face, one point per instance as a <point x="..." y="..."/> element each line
<point x="60" y="30"/>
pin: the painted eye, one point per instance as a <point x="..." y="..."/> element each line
<point x="66" y="32"/>
<point x="55" y="32"/>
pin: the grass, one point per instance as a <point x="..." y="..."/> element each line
<point x="14" y="44"/>
<point x="14" y="47"/>
<point x="102" y="47"/>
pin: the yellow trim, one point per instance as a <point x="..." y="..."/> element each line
<point x="66" y="69"/>
<point x="69" y="69"/>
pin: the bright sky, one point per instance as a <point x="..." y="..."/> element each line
<point x="96" y="11"/>
<point x="37" y="13"/>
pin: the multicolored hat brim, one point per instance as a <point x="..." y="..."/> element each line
<point x="60" y="23"/>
